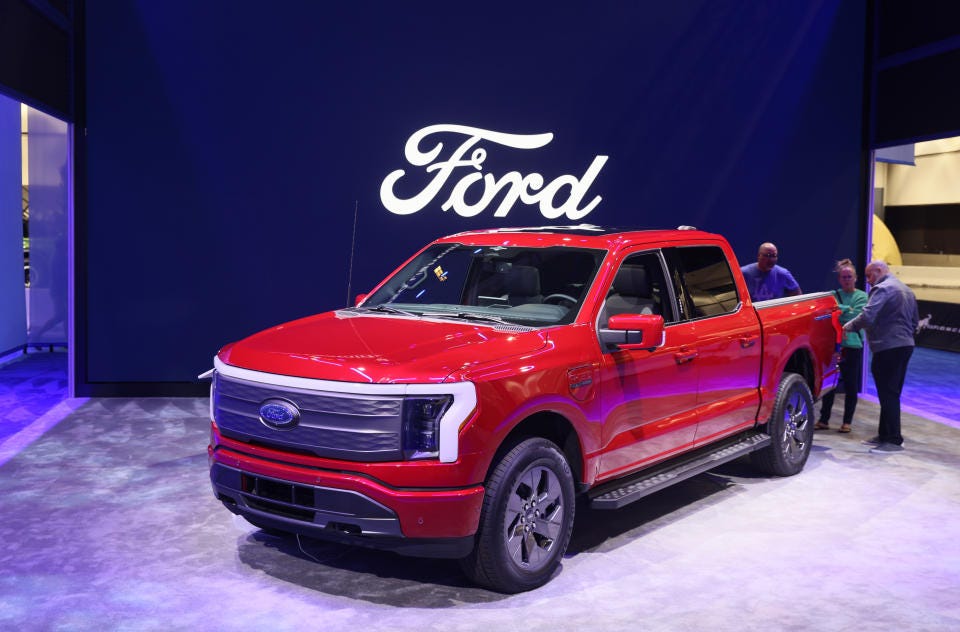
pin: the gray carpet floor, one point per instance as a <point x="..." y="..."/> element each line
<point x="107" y="522"/>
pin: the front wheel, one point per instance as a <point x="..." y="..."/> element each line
<point x="790" y="428"/>
<point x="526" y="521"/>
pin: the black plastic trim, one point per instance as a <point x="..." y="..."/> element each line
<point x="375" y="526"/>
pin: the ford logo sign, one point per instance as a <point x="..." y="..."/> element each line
<point x="279" y="414"/>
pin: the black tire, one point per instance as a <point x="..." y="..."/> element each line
<point x="526" y="521"/>
<point x="791" y="428"/>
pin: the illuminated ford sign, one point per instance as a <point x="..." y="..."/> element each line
<point x="563" y="196"/>
<point x="279" y="414"/>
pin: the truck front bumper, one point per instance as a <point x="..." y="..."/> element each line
<point x="346" y="507"/>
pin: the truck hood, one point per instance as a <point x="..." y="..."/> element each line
<point x="377" y="349"/>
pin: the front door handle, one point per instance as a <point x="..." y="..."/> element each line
<point x="684" y="355"/>
<point x="748" y="341"/>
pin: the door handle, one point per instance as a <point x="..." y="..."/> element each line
<point x="748" y="341"/>
<point x="684" y="356"/>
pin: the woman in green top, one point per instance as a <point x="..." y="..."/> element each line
<point x="851" y="302"/>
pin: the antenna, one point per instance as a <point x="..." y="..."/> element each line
<point x="353" y="248"/>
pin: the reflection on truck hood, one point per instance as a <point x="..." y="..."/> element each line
<point x="378" y="349"/>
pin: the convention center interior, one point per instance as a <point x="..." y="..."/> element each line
<point x="375" y="315"/>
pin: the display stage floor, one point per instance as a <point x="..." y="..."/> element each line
<point x="107" y="522"/>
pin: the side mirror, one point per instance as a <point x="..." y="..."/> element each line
<point x="630" y="332"/>
<point x="360" y="299"/>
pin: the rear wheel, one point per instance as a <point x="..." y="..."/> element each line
<point x="790" y="428"/>
<point x="526" y="521"/>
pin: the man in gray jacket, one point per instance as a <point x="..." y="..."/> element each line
<point x="890" y="319"/>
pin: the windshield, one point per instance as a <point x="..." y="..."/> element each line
<point x="516" y="285"/>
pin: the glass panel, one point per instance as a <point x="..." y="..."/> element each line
<point x="46" y="182"/>
<point x="523" y="286"/>
<point x="708" y="280"/>
<point x="12" y="309"/>
<point x="639" y="287"/>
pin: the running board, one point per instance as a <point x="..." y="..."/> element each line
<point x="620" y="493"/>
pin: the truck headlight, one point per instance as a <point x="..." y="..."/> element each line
<point x="421" y="425"/>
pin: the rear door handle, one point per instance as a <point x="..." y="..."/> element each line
<point x="748" y="341"/>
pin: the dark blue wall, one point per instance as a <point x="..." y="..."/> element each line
<point x="228" y="144"/>
<point x="36" y="62"/>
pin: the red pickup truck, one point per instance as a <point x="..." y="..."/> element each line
<point x="460" y="408"/>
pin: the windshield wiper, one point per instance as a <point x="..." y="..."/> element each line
<point x="468" y="316"/>
<point x="386" y="309"/>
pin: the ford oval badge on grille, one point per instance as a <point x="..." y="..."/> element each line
<point x="279" y="414"/>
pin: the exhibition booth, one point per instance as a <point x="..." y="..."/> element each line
<point x="176" y="177"/>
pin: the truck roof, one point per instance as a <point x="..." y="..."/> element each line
<point x="581" y="235"/>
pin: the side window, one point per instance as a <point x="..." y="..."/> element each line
<point x="707" y="282"/>
<point x="638" y="288"/>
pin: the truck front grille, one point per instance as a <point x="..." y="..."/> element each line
<point x="333" y="425"/>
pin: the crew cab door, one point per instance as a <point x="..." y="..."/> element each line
<point x="728" y="345"/>
<point x="648" y="396"/>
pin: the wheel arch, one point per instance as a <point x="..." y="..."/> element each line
<point x="548" y="425"/>
<point x="801" y="363"/>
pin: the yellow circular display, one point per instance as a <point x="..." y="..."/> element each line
<point x="884" y="246"/>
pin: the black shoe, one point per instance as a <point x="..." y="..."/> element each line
<point x="872" y="441"/>
<point x="886" y="448"/>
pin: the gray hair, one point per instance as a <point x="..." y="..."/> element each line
<point x="880" y="265"/>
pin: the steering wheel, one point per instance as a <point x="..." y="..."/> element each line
<point x="560" y="298"/>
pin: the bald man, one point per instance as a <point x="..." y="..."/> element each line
<point x="890" y="319"/>
<point x="767" y="280"/>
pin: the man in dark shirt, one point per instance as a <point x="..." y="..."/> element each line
<point x="890" y="319"/>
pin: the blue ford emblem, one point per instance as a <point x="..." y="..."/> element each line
<point x="279" y="414"/>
